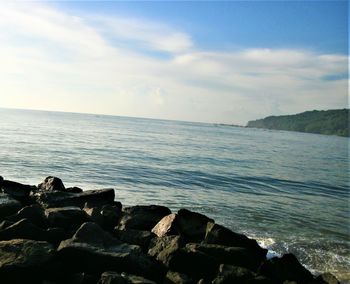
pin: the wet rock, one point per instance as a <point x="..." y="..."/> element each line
<point x="107" y="216"/>
<point x="52" y="183"/>
<point x="110" y="277"/>
<point x="49" y="199"/>
<point x="229" y="255"/>
<point x="166" y="226"/>
<point x="25" y="261"/>
<point x="135" y="237"/>
<point x="68" y="218"/>
<point x="326" y="278"/>
<point x="8" y="205"/>
<point x="192" y="225"/>
<point x="142" y="217"/>
<point x="24" y="229"/>
<point x="173" y="277"/>
<point x="93" y="250"/>
<point x="232" y="274"/>
<point x="285" y="268"/>
<point x="217" y="234"/>
<point x="34" y="213"/>
<point x="17" y="190"/>
<point x="164" y="248"/>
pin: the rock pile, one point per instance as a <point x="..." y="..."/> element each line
<point x="52" y="234"/>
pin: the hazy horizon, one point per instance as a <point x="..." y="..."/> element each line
<point x="214" y="62"/>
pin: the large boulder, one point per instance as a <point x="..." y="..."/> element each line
<point x="93" y="250"/>
<point x="111" y="277"/>
<point x="107" y="216"/>
<point x="52" y="183"/>
<point x="8" y="205"/>
<point x="135" y="237"/>
<point x="34" y="213"/>
<point x="17" y="190"/>
<point x="236" y="256"/>
<point x="285" y="268"/>
<point x="217" y="234"/>
<point x="68" y="218"/>
<point x="229" y="274"/>
<point x="166" y="226"/>
<point x="25" y="261"/>
<point x="192" y="226"/>
<point x="142" y="217"/>
<point x="49" y="199"/>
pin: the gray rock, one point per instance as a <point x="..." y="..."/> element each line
<point x="135" y="237"/>
<point x="17" y="190"/>
<point x="52" y="183"/>
<point x="142" y="217"/>
<point x="326" y="278"/>
<point x="285" y="268"/>
<point x="107" y="216"/>
<point x="173" y="277"/>
<point x="8" y="205"/>
<point x="166" y="226"/>
<point x="192" y="225"/>
<point x="34" y="213"/>
<point x="110" y="277"/>
<point x="164" y="248"/>
<point x="229" y="274"/>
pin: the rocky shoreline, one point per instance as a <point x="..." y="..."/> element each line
<point x="53" y="234"/>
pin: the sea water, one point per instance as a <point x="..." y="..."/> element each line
<point x="288" y="190"/>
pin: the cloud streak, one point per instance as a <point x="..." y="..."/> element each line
<point x="54" y="59"/>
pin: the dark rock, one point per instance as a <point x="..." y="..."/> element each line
<point x="142" y="217"/>
<point x="166" y="226"/>
<point x="17" y="190"/>
<point x="34" y="213"/>
<point x="49" y="199"/>
<point x="94" y="251"/>
<point x="173" y="277"/>
<point x="24" y="229"/>
<point x="107" y="216"/>
<point x="326" y="278"/>
<point x="192" y="225"/>
<point x="230" y="255"/>
<point x="8" y="205"/>
<point x="52" y="183"/>
<point x="232" y="274"/>
<point x="4" y="224"/>
<point x="68" y="218"/>
<point x="135" y="237"/>
<point x="25" y="261"/>
<point x="74" y="189"/>
<point x="110" y="277"/>
<point x="164" y="248"/>
<point x="203" y="281"/>
<point x="217" y="234"/>
<point x="285" y="268"/>
<point x="260" y="280"/>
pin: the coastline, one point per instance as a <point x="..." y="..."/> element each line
<point x="81" y="236"/>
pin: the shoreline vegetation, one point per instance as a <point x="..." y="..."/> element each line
<point x="53" y="234"/>
<point x="328" y="122"/>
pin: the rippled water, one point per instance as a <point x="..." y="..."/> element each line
<point x="289" y="190"/>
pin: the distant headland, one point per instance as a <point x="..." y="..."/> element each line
<point x="329" y="122"/>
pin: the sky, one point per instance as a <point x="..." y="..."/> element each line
<point x="205" y="61"/>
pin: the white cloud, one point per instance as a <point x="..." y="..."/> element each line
<point x="51" y="59"/>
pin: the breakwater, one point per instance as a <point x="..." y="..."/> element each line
<point x="53" y="234"/>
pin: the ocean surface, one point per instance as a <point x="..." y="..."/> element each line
<point x="288" y="190"/>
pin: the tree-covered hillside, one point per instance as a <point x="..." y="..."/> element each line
<point x="330" y="122"/>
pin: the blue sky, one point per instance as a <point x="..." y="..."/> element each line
<point x="200" y="61"/>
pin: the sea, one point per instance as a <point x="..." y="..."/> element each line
<point x="288" y="190"/>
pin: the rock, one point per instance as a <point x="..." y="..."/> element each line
<point x="135" y="237"/>
<point x="25" y="261"/>
<point x="232" y="274"/>
<point x="4" y="224"/>
<point x="94" y="251"/>
<point x="68" y="218"/>
<point x="34" y="213"/>
<point x="142" y="217"/>
<point x="17" y="190"/>
<point x="8" y="205"/>
<point x="52" y="183"/>
<point x="49" y="199"/>
<point x="110" y="277"/>
<point x="217" y="234"/>
<point x="74" y="189"/>
<point x="285" y="268"/>
<point x="229" y="255"/>
<point x="192" y="225"/>
<point x="107" y="216"/>
<point x="173" y="277"/>
<point x="260" y="280"/>
<point x="24" y="229"/>
<point x="163" y="248"/>
<point x="326" y="278"/>
<point x="1" y="180"/>
<point x="166" y="226"/>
